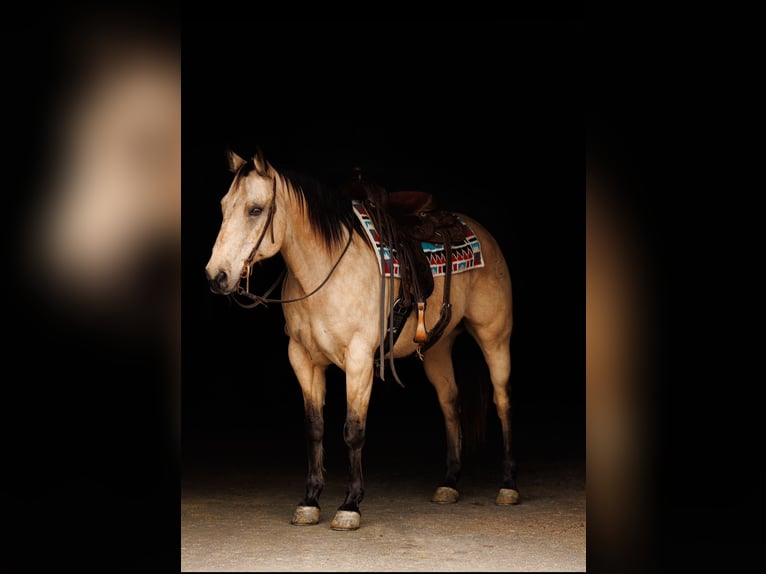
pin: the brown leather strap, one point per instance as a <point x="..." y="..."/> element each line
<point x="445" y="313"/>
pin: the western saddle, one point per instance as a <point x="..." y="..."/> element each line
<point x="403" y="220"/>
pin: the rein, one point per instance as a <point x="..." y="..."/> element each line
<point x="247" y="269"/>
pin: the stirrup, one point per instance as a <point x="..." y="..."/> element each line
<point x="420" y="332"/>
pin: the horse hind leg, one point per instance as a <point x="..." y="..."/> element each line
<point x="437" y="363"/>
<point x="496" y="351"/>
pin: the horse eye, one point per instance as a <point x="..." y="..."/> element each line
<point x="255" y="211"/>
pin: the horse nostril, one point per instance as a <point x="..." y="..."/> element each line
<point x="218" y="282"/>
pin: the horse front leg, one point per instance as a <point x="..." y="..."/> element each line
<point x="358" y="391"/>
<point x="313" y="386"/>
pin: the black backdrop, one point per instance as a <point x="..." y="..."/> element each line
<point x="484" y="115"/>
<point x="495" y="104"/>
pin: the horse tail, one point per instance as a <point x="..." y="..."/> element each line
<point x="474" y="391"/>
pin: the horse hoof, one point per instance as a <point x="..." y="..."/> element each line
<point x="305" y="515"/>
<point x="507" y="496"/>
<point x="346" y="520"/>
<point x="445" y="495"/>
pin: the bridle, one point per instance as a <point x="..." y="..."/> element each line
<point x="247" y="268"/>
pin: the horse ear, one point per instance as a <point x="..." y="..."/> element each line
<point x="261" y="165"/>
<point x="235" y="162"/>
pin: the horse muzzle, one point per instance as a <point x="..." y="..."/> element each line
<point x="219" y="283"/>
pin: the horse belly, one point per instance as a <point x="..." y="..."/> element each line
<point x="459" y="287"/>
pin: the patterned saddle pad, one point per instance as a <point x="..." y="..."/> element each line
<point x="465" y="256"/>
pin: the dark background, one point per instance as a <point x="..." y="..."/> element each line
<point x="485" y="116"/>
<point x="496" y="104"/>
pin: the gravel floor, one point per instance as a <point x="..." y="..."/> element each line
<point x="235" y="516"/>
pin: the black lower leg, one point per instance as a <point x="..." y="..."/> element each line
<point x="315" y="480"/>
<point x="453" y="461"/>
<point x="509" y="463"/>
<point x="353" y="433"/>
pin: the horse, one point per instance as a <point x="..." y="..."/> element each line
<point x="331" y="267"/>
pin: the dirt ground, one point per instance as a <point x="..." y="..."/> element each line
<point x="235" y="517"/>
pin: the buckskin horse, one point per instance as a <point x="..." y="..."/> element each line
<point x="356" y="248"/>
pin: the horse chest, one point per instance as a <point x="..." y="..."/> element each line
<point x="325" y="335"/>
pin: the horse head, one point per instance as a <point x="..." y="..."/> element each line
<point x="251" y="230"/>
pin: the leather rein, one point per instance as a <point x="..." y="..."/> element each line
<point x="247" y="268"/>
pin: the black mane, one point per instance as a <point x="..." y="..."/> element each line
<point x="329" y="210"/>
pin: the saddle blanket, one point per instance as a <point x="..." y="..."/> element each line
<point x="465" y="256"/>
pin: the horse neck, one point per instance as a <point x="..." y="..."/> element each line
<point x="303" y="249"/>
